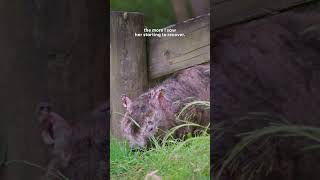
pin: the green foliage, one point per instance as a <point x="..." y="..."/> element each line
<point x="158" y="13"/>
<point x="260" y="138"/>
<point x="176" y="160"/>
<point x="170" y="158"/>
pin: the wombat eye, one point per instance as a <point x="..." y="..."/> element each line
<point x="150" y="122"/>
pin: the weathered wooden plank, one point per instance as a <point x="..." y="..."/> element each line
<point x="226" y="12"/>
<point x="128" y="62"/>
<point x="170" y="54"/>
<point x="23" y="84"/>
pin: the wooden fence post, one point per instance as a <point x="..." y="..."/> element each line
<point x="23" y="81"/>
<point x="128" y="64"/>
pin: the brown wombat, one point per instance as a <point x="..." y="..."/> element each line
<point x="156" y="109"/>
<point x="270" y="66"/>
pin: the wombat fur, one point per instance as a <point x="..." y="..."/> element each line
<point x="155" y="111"/>
<point x="272" y="66"/>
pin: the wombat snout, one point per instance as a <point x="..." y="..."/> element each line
<point x="155" y="111"/>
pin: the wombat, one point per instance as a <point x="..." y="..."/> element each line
<point x="155" y="111"/>
<point x="270" y="66"/>
<point x="72" y="144"/>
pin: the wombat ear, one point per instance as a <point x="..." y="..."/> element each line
<point x="158" y="95"/>
<point x="126" y="101"/>
<point x="161" y="93"/>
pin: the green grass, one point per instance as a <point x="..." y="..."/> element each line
<point x="170" y="158"/>
<point x="177" y="160"/>
<point x="158" y="13"/>
<point x="261" y="139"/>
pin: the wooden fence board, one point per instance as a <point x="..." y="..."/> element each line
<point x="170" y="54"/>
<point x="226" y="12"/>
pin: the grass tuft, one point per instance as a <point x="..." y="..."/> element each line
<point x="177" y="160"/>
<point x="169" y="158"/>
<point x="262" y="137"/>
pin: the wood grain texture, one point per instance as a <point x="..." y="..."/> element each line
<point x="128" y="63"/>
<point x="226" y="12"/>
<point x="170" y="54"/>
<point x="23" y="79"/>
<point x="75" y="38"/>
<point x="78" y="68"/>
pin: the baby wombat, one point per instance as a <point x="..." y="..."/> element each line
<point x="155" y="111"/>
